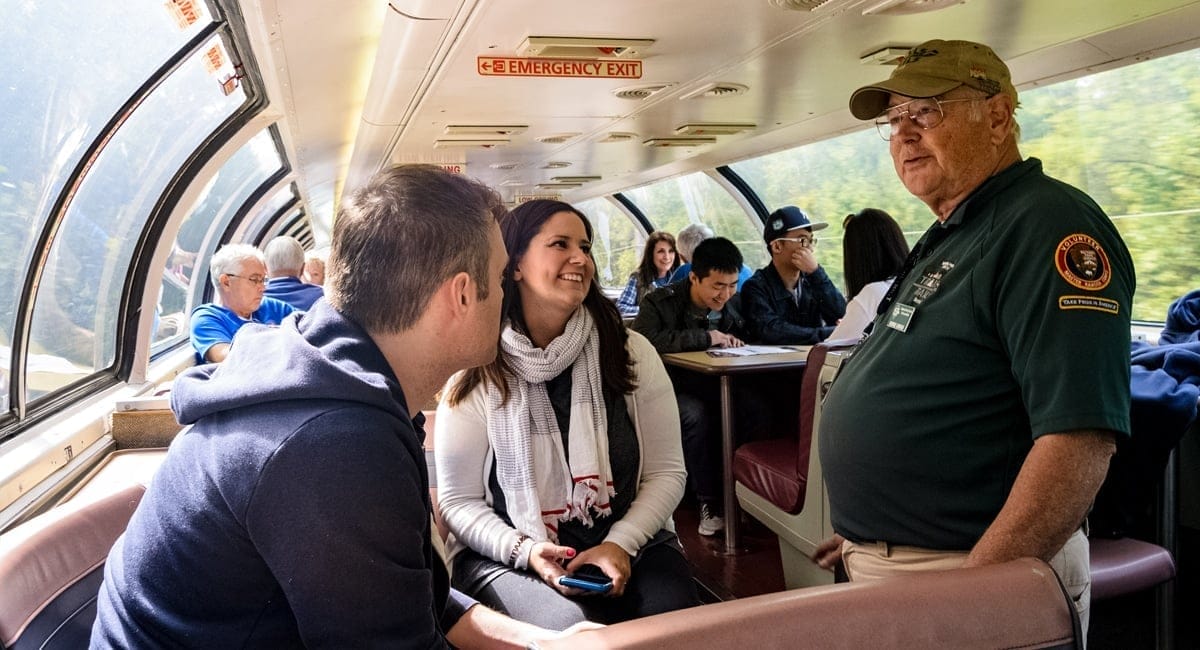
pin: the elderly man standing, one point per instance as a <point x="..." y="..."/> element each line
<point x="285" y="262"/>
<point x="239" y="275"/>
<point x="792" y="300"/>
<point x="960" y="432"/>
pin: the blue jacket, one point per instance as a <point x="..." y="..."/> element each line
<point x="774" y="316"/>
<point x="294" y="292"/>
<point x="295" y="512"/>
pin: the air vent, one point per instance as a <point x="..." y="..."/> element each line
<point x="715" y="90"/>
<point x="485" y="129"/>
<point x="485" y="143"/>
<point x="799" y="5"/>
<point x="694" y="141"/>
<point x="618" y="136"/>
<point x="583" y="48"/>
<point x="505" y="165"/>
<point x="556" y="164"/>
<point x="574" y="179"/>
<point x="715" y="128"/>
<point x="556" y="138"/>
<point x="640" y="92"/>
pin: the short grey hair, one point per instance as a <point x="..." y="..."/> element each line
<point x="229" y="260"/>
<point x="284" y="256"/>
<point x="690" y="237"/>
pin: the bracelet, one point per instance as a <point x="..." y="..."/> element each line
<point x="516" y="549"/>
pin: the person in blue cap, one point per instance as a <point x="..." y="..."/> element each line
<point x="792" y="300"/>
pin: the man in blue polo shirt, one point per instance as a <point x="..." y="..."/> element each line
<point x="285" y="262"/>
<point x="239" y="275"/>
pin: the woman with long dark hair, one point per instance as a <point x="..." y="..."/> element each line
<point x="659" y="259"/>
<point x="874" y="250"/>
<point x="562" y="455"/>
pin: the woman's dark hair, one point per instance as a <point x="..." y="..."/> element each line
<point x="518" y="228"/>
<point x="647" y="273"/>
<point x="873" y="248"/>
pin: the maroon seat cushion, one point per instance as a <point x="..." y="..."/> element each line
<point x="768" y="468"/>
<point x="1125" y="565"/>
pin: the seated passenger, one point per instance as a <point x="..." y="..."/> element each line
<point x="874" y="251"/>
<point x="697" y="313"/>
<point x="239" y="275"/>
<point x="314" y="268"/>
<point x="285" y="262"/>
<point x="685" y="244"/>
<point x="295" y="512"/>
<point x="658" y="260"/>
<point x="792" y="300"/>
<point x="563" y="453"/>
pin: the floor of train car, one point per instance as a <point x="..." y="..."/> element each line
<point x="1125" y="623"/>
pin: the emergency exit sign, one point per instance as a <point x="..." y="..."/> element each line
<point x="506" y="66"/>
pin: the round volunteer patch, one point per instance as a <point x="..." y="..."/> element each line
<point x="1082" y="262"/>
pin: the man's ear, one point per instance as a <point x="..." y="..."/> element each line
<point x="1000" y="117"/>
<point x="462" y="288"/>
<point x="692" y="276"/>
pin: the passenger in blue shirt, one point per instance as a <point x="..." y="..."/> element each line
<point x="239" y="275"/>
<point x="686" y="242"/>
<point x="285" y="262"/>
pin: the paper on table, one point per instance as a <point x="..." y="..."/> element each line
<point x="750" y="350"/>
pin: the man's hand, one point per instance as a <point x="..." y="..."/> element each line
<point x="805" y="260"/>
<point x="829" y="552"/>
<point x="611" y="559"/>
<point x="721" y="339"/>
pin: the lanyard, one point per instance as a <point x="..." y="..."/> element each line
<point x="931" y="239"/>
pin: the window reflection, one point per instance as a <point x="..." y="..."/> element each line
<point x="616" y="244"/>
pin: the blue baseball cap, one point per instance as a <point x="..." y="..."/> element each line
<point x="787" y="219"/>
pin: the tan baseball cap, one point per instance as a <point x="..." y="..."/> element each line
<point x="935" y="67"/>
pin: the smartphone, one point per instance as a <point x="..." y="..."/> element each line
<point x="588" y="582"/>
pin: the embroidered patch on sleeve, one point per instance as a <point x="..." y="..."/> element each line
<point x="1082" y="262"/>
<point x="1095" y="303"/>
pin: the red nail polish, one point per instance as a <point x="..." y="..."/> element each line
<point x="570" y="552"/>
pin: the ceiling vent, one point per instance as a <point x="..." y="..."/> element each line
<point x="485" y="129"/>
<point x="715" y="90"/>
<point x="693" y="141"/>
<point x="556" y="164"/>
<point x="558" y="186"/>
<point x="799" y="5"/>
<point x="889" y="55"/>
<point x="574" y="179"/>
<point x="905" y="7"/>
<point x="572" y="47"/>
<point x="484" y="143"/>
<point x="641" y="91"/>
<point x="505" y="165"/>
<point x="715" y="128"/>
<point x="556" y="138"/>
<point x="617" y="136"/>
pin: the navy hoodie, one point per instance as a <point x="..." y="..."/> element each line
<point x="295" y="512"/>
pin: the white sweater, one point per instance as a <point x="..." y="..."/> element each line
<point x="861" y="311"/>
<point x="464" y="461"/>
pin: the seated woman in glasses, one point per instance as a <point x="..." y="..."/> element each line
<point x="564" y="452"/>
<point x="791" y="301"/>
<point x="873" y="254"/>
<point x="239" y="276"/>
<point x="654" y="271"/>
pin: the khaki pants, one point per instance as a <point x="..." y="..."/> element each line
<point x="873" y="560"/>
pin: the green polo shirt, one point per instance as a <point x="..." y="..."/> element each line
<point x="1012" y="323"/>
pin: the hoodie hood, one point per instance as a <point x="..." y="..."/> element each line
<point x="319" y="354"/>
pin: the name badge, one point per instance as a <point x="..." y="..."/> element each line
<point x="901" y="317"/>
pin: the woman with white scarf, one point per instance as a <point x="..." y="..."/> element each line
<point x="565" y="451"/>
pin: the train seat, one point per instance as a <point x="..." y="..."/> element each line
<point x="51" y="568"/>
<point x="1018" y="604"/>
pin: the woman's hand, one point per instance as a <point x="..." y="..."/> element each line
<point x="611" y="559"/>
<point x="546" y="560"/>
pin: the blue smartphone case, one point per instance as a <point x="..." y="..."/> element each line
<point x="587" y="582"/>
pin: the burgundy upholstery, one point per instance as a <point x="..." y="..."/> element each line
<point x="1018" y="604"/>
<point x="1125" y="565"/>
<point x="51" y="568"/>
<point x="777" y="470"/>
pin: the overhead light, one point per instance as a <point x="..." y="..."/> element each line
<point x="513" y="182"/>
<point x="485" y="143"/>
<point x="798" y="5"/>
<point x="718" y="89"/>
<point x="556" y="164"/>
<point x="557" y="138"/>
<point x="505" y="165"/>
<point x="889" y="55"/>
<point x="617" y="136"/>
<point x="692" y="141"/>
<point x="572" y="47"/>
<point x="714" y="128"/>
<point x="558" y="186"/>
<point x="574" y="179"/>
<point x="905" y="7"/>
<point x="484" y="129"/>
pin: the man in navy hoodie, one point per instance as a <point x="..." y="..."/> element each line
<point x="295" y="512"/>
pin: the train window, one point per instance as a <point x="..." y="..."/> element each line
<point x="60" y="86"/>
<point x="238" y="178"/>
<point x="78" y="301"/>
<point x="672" y="204"/>
<point x="617" y="244"/>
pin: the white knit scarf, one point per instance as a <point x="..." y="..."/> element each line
<point x="540" y="488"/>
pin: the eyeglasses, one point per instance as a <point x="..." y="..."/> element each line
<point x="254" y="279"/>
<point x="805" y="242"/>
<point x="925" y="113"/>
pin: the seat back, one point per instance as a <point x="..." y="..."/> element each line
<point x="51" y="568"/>
<point x="1018" y="604"/>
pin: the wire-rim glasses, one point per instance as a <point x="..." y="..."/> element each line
<point x="925" y="112"/>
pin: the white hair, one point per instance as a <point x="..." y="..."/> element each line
<point x="284" y="256"/>
<point x="229" y="260"/>
<point x="690" y="237"/>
